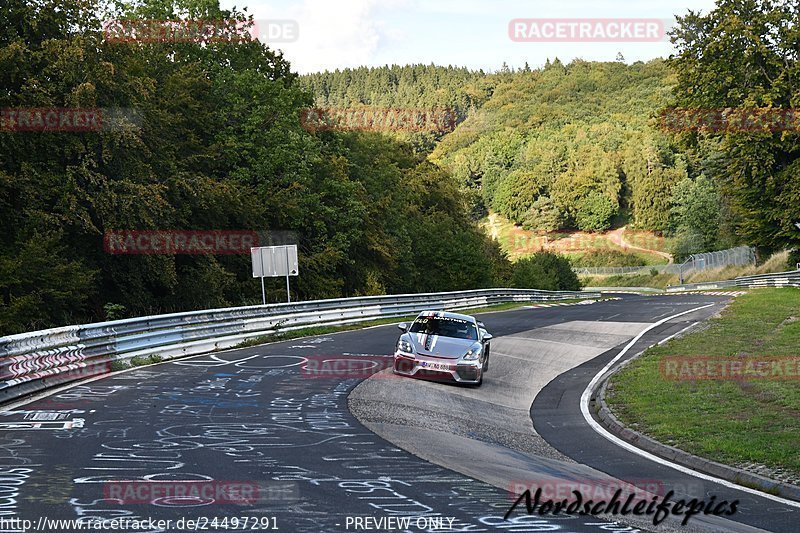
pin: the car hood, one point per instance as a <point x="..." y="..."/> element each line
<point x="438" y="346"/>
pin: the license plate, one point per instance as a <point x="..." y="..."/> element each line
<point x="435" y="366"/>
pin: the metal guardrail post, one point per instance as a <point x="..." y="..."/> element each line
<point x="780" y="279"/>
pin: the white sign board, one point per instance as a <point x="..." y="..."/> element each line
<point x="274" y="261"/>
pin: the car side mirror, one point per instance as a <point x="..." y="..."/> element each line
<point x="481" y="325"/>
<point x="487" y="336"/>
<point x="403" y="326"/>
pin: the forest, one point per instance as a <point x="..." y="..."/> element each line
<point x="218" y="145"/>
<point x="565" y="147"/>
<point x="211" y="138"/>
<point x="589" y="146"/>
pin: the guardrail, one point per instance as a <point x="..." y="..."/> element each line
<point x="30" y="362"/>
<point x="780" y="279"/>
<point x="622" y="289"/>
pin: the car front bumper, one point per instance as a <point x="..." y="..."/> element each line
<point x="436" y="368"/>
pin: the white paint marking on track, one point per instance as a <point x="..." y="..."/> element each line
<point x="212" y="361"/>
<point x="647" y="455"/>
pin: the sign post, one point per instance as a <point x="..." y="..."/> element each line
<point x="274" y="262"/>
<point x="263" y="294"/>
<point x="288" y="294"/>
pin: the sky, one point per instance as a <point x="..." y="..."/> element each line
<point x="318" y="35"/>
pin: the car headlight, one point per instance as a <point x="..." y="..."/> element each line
<point x="472" y="354"/>
<point x="405" y="346"/>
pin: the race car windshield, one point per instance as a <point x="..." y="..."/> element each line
<point x="445" y="327"/>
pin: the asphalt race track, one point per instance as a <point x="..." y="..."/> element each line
<point x="546" y="358"/>
<point x="259" y="420"/>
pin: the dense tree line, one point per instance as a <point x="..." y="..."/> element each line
<point x="566" y="146"/>
<point x="421" y="86"/>
<point x="587" y="145"/>
<point x="211" y="138"/>
<point x="571" y="146"/>
<point x="215" y="143"/>
<point x="743" y="55"/>
<point x="453" y="92"/>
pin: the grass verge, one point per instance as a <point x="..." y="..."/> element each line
<point x="776" y="263"/>
<point x="136" y="361"/>
<point x="747" y="423"/>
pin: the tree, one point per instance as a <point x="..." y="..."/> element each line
<point x="543" y="215"/>
<point x="651" y="179"/>
<point x="589" y="190"/>
<point x="215" y="143"/>
<point x="741" y="56"/>
<point x="594" y="212"/>
<point x="695" y="212"/>
<point x="544" y="270"/>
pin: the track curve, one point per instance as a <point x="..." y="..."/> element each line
<point x="526" y="417"/>
<point x="256" y="416"/>
<point x="108" y="449"/>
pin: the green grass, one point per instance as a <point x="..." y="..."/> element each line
<point x="613" y="258"/>
<point x="734" y="422"/>
<point x="316" y="330"/>
<point x="776" y="263"/>
<point x="136" y="361"/>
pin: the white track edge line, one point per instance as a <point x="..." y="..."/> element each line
<point x="647" y="455"/>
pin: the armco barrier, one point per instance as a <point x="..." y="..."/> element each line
<point x="623" y="290"/>
<point x="30" y="362"/>
<point x="780" y="279"/>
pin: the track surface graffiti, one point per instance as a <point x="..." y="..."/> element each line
<point x="247" y="416"/>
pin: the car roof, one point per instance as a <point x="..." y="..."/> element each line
<point x="447" y="314"/>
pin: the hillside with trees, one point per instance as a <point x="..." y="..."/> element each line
<point x="216" y="144"/>
<point x="211" y="138"/>
<point x="400" y="86"/>
<point x="451" y="93"/>
<point x="576" y="147"/>
<point x="571" y="147"/>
